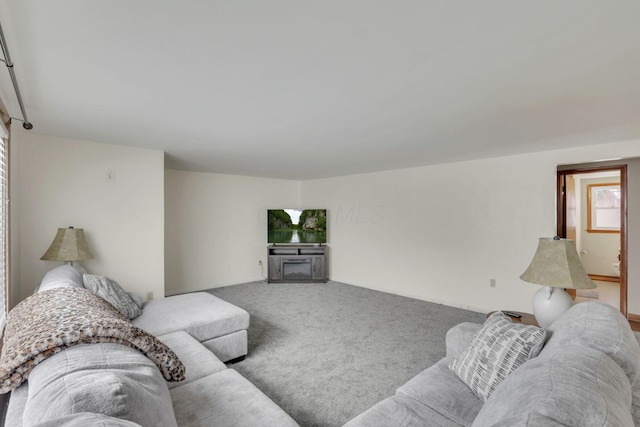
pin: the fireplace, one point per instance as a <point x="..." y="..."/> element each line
<point x="295" y="269"/>
<point x="303" y="263"/>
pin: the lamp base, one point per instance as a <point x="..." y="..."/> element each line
<point x="549" y="304"/>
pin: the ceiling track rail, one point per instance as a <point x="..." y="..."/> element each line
<point x="7" y="60"/>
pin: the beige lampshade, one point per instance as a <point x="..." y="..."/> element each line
<point x="68" y="245"/>
<point x="557" y="264"/>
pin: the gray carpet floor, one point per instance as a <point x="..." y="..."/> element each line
<point x="327" y="352"/>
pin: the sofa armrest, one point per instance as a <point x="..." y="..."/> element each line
<point x="459" y="337"/>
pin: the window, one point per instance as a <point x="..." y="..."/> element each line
<point x="603" y="208"/>
<point x="4" y="224"/>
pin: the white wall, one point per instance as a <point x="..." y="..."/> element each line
<point x="633" y="241"/>
<point x="216" y="227"/>
<point x="439" y="233"/>
<point x="57" y="182"/>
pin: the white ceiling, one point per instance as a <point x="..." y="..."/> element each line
<point x="301" y="89"/>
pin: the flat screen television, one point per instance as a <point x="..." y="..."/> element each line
<point x="297" y="226"/>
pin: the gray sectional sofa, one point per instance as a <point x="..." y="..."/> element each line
<point x="112" y="384"/>
<point x="586" y="374"/>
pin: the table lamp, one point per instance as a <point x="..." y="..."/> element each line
<point x="69" y="245"/>
<point x="556" y="266"/>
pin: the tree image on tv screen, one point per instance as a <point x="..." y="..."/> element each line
<point x="295" y="226"/>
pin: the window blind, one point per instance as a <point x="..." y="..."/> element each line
<point x="4" y="223"/>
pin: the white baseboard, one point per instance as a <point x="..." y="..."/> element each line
<point x="432" y="300"/>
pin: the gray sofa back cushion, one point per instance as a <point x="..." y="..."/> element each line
<point x="108" y="379"/>
<point x="61" y="276"/>
<point x="601" y="327"/>
<point x="459" y="337"/>
<point x="573" y="386"/>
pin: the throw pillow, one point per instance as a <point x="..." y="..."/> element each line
<point x="136" y="298"/>
<point x="496" y="350"/>
<point x="112" y="292"/>
<point x="61" y="276"/>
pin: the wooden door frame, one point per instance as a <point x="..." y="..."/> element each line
<point x="561" y="212"/>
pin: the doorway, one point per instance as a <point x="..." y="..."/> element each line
<point x="592" y="211"/>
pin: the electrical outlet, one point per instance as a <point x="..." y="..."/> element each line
<point x="149" y="296"/>
<point x="260" y="262"/>
<point x="492" y="283"/>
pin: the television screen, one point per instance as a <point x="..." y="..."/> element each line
<point x="297" y="226"/>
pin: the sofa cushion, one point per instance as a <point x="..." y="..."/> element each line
<point x="401" y="411"/>
<point x="109" y="379"/>
<point x="85" y="419"/>
<point x="197" y="359"/>
<point x="200" y="314"/>
<point x="136" y="298"/>
<point x="17" y="402"/>
<point x="226" y="399"/>
<point x="602" y="327"/>
<point x="440" y="389"/>
<point x="531" y="419"/>
<point x="61" y="276"/>
<point x="573" y="386"/>
<point x="459" y="336"/>
<point x="113" y="293"/>
<point x="496" y="350"/>
<point x="230" y="346"/>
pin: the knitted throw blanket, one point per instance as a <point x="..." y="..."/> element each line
<point x="50" y="321"/>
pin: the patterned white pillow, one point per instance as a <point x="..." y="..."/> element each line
<point x="113" y="293"/>
<point x="496" y="350"/>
